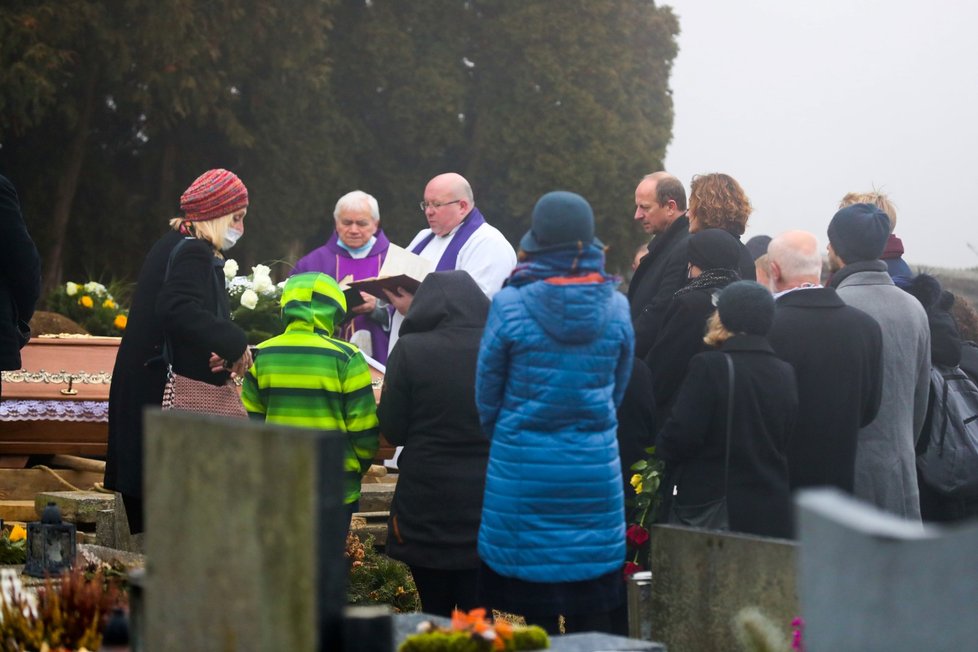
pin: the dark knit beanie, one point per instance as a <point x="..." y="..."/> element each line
<point x="214" y="194"/>
<point x="560" y="218"/>
<point x="757" y="246"/>
<point x="746" y="307"/>
<point x="859" y="233"/>
<point x="714" y="249"/>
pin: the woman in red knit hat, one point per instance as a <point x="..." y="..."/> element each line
<point x="180" y="296"/>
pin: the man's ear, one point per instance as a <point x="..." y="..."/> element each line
<point x="775" y="271"/>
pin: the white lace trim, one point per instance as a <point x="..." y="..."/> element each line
<point x="28" y="410"/>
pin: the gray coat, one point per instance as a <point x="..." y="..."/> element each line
<point x="885" y="463"/>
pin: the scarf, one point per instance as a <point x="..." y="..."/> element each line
<point x="711" y="279"/>
<point x="359" y="252"/>
<point x="575" y="260"/>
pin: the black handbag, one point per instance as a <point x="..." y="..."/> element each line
<point x="711" y="515"/>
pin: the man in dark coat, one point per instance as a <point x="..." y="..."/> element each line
<point x="660" y="206"/>
<point x="837" y="353"/>
<point x="20" y="278"/>
<point x="428" y="406"/>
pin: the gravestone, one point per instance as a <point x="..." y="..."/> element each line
<point x="701" y="579"/>
<point x="872" y="581"/>
<point x="245" y="532"/>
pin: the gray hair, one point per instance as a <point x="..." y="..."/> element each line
<point x="795" y="262"/>
<point x="357" y="200"/>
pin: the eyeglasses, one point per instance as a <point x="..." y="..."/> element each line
<point x="425" y="205"/>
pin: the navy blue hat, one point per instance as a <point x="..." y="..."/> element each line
<point x="757" y="246"/>
<point x="859" y="232"/>
<point x="560" y="218"/>
<point x="746" y="307"/>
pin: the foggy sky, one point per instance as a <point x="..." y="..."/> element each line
<point x="802" y="102"/>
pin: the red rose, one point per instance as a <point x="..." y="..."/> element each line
<point x="631" y="568"/>
<point x="636" y="535"/>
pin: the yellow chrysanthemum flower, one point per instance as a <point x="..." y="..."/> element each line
<point x="17" y="533"/>
<point x="636" y="482"/>
<point x="86" y="302"/>
<point x="120" y="322"/>
<point x="108" y="303"/>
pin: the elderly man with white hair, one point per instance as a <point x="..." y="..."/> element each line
<point x="357" y="249"/>
<point x="836" y="351"/>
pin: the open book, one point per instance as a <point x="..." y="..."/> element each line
<point x="401" y="269"/>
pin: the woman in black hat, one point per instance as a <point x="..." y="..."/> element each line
<point x="713" y="261"/>
<point x="747" y="465"/>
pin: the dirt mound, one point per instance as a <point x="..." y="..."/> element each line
<point x="52" y="323"/>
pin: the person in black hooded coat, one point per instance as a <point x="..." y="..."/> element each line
<point x="428" y="406"/>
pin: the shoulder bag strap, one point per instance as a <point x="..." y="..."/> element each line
<point x="730" y="402"/>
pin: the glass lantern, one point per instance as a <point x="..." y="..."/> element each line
<point x="50" y="544"/>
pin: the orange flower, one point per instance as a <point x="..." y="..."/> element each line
<point x="120" y="322"/>
<point x="17" y="533"/>
<point x="108" y="303"/>
<point x="86" y="301"/>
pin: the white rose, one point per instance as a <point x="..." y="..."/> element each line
<point x="94" y="288"/>
<point x="261" y="270"/>
<point x="71" y="289"/>
<point x="230" y="268"/>
<point x="249" y="299"/>
<point x="263" y="284"/>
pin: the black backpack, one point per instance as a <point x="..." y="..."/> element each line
<point x="950" y="462"/>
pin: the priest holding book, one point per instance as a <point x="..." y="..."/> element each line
<point x="357" y="250"/>
<point x="457" y="237"/>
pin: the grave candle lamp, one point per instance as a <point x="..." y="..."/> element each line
<point x="50" y="544"/>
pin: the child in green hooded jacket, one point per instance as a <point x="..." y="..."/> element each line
<point x="306" y="378"/>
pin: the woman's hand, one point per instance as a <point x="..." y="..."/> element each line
<point x="238" y="369"/>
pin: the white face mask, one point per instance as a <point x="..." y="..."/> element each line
<point x="230" y="238"/>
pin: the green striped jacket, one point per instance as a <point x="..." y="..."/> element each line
<point x="307" y="379"/>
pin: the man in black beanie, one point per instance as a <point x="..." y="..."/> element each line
<point x="20" y="278"/>
<point x="885" y="463"/>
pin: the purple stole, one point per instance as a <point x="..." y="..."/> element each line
<point x="450" y="256"/>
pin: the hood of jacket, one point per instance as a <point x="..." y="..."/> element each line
<point x="570" y="309"/>
<point x="446" y="299"/>
<point x="312" y="302"/>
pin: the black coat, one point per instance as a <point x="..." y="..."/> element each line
<point x="837" y="353"/>
<point x="661" y="272"/>
<point x="678" y="340"/>
<point x="187" y="307"/>
<point x="20" y="278"/>
<point x="636" y="422"/>
<point x="765" y="408"/>
<point x="428" y="406"/>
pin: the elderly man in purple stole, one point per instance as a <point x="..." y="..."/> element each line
<point x="457" y="237"/>
<point x="357" y="248"/>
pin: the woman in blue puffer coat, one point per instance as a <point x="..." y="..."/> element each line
<point x="554" y="362"/>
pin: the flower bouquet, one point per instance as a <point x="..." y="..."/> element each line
<point x="13" y="545"/>
<point x="255" y="301"/>
<point x="471" y="632"/>
<point x="90" y="305"/>
<point x="645" y="481"/>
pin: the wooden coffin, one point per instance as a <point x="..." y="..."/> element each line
<point x="63" y="369"/>
<point x="55" y="371"/>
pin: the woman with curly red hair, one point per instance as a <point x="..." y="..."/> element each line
<point x="717" y="201"/>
